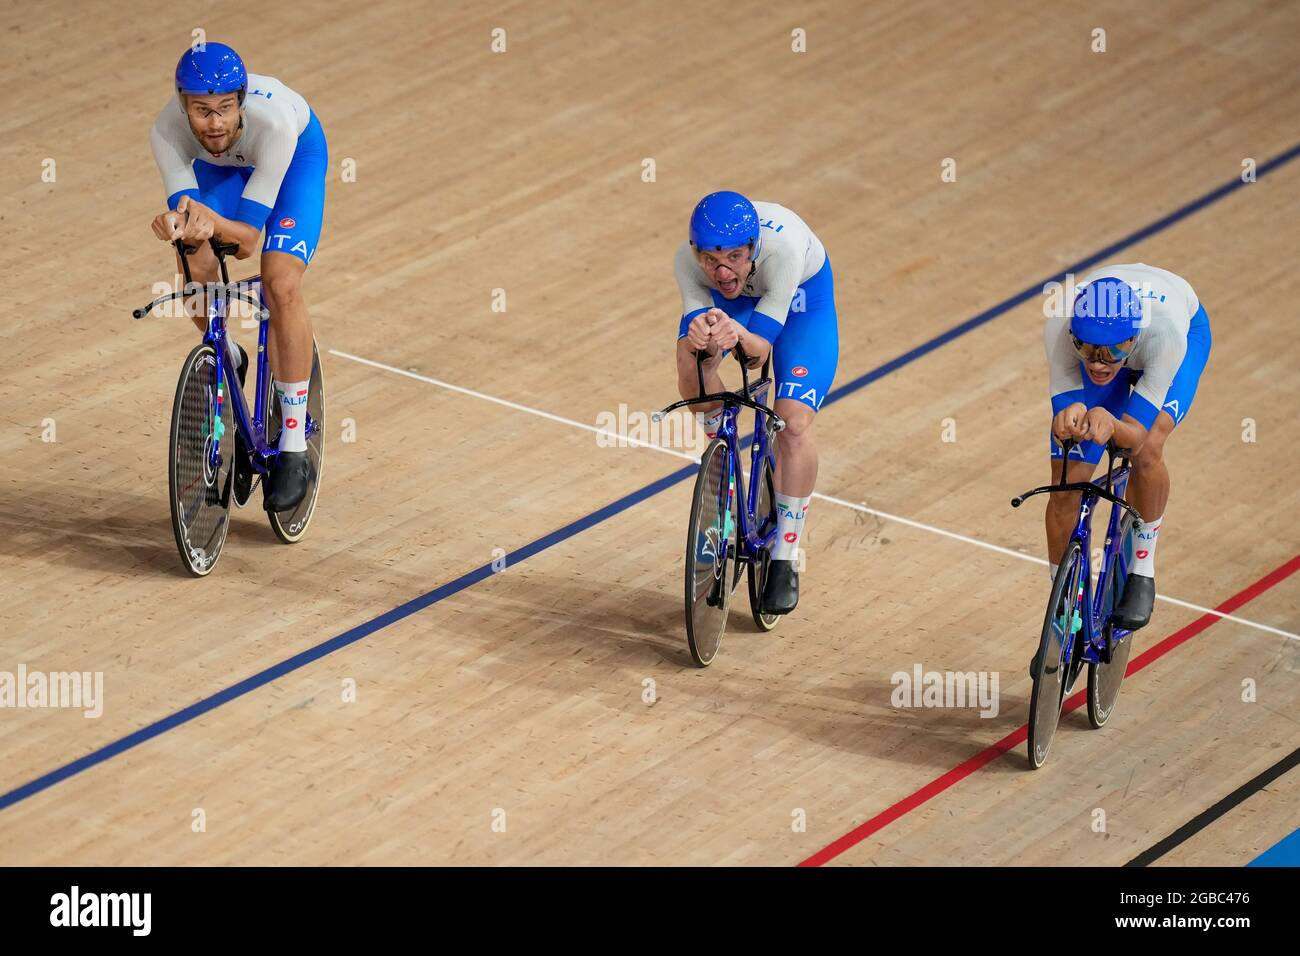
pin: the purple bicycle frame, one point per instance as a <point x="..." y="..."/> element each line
<point x="1095" y="598"/>
<point x="254" y="428"/>
<point x="751" y="540"/>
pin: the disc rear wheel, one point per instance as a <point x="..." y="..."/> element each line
<point x="1105" y="678"/>
<point x="765" y="515"/>
<point x="290" y="526"/>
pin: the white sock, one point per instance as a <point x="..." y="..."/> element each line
<point x="710" y="421"/>
<point x="293" y="412"/>
<point x="790" y="515"/>
<point x="1051" y="571"/>
<point x="1144" y="547"/>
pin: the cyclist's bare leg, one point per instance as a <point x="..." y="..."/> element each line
<point x="1063" y="506"/>
<point x="688" y="380"/>
<point x="203" y="270"/>
<point x="1148" y="486"/>
<point x="290" y="335"/>
<point x="796" y="457"/>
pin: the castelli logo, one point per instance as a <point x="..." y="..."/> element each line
<point x="1142" y="555"/>
<point x="291" y="423"/>
<point x="798" y="371"/>
<point x="791" y="537"/>
<point x="287" y="223"/>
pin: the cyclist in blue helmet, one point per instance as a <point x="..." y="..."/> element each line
<point x="754" y="274"/>
<point x="241" y="154"/>
<point x="1124" y="364"/>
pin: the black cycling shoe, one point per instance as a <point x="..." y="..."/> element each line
<point x="286" y="486"/>
<point x="781" y="592"/>
<point x="1134" y="609"/>
<point x="243" y="480"/>
<point x="1033" y="667"/>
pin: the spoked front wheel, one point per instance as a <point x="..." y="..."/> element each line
<point x="765" y="515"/>
<point x="1063" y="621"/>
<point x="290" y="526"/>
<point x="1104" y="679"/>
<point x="710" y="554"/>
<point x="200" y="462"/>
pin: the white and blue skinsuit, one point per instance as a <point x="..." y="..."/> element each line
<point x="788" y="299"/>
<point x="1162" y="370"/>
<point x="272" y="178"/>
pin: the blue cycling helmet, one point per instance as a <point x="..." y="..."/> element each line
<point x="1106" y="312"/>
<point x="724" y="220"/>
<point x="210" y="69"/>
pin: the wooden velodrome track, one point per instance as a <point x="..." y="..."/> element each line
<point x="520" y="697"/>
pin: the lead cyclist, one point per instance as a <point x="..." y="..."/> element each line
<point x="239" y="152"/>
<point x="754" y="274"/>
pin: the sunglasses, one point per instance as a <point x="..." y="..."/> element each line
<point x="1104" y="354"/>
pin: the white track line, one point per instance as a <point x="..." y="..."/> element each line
<point x="928" y="527"/>
<point x="637" y="443"/>
<point x="1030" y="557"/>
<point x="1229" y="617"/>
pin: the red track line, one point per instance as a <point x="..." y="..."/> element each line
<point x="1018" y="736"/>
